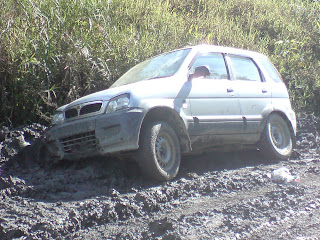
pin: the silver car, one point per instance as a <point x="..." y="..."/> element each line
<point x="193" y="99"/>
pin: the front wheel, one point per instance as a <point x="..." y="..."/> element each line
<point x="159" y="152"/>
<point x="276" y="139"/>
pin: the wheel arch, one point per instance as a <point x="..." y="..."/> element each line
<point x="163" y="113"/>
<point x="286" y="119"/>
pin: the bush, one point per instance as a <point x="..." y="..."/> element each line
<point x="54" y="51"/>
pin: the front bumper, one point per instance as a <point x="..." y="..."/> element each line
<point x="97" y="135"/>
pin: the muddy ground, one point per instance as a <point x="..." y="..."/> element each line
<point x="215" y="195"/>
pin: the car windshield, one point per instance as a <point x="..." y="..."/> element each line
<point x="164" y="65"/>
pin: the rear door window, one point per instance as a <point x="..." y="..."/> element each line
<point x="244" y="69"/>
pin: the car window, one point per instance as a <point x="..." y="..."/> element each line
<point x="272" y="71"/>
<point x="244" y="69"/>
<point x="215" y="63"/>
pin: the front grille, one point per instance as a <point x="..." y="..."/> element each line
<point x="81" y="142"/>
<point x="90" y="108"/>
<point x="70" y="113"/>
<point x="84" y="109"/>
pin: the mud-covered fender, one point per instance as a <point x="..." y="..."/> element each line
<point x="167" y="110"/>
<point x="286" y="112"/>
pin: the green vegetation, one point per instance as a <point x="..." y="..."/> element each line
<point x="54" y="51"/>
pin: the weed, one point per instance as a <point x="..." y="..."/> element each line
<point x="52" y="52"/>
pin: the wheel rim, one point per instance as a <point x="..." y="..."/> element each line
<point x="280" y="136"/>
<point x="277" y="135"/>
<point x="165" y="151"/>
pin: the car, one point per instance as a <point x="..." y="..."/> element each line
<point x="194" y="99"/>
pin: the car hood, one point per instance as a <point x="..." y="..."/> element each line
<point x="146" y="87"/>
<point x="103" y="95"/>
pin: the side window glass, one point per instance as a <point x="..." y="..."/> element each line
<point x="272" y="71"/>
<point x="244" y="69"/>
<point x="215" y="63"/>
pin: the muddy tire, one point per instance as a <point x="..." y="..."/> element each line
<point x="159" y="153"/>
<point x="276" y="140"/>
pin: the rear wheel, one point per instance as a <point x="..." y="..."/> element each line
<point x="159" y="152"/>
<point x="276" y="140"/>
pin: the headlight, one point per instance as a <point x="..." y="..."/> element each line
<point x="58" y="118"/>
<point x="118" y="103"/>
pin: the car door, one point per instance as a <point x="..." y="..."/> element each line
<point x="215" y="107"/>
<point x="253" y="92"/>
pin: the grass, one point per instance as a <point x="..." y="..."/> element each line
<point x="54" y="51"/>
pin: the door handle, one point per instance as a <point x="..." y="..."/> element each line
<point x="229" y="90"/>
<point x="264" y="90"/>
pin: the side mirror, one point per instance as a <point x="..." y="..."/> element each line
<point x="201" y="71"/>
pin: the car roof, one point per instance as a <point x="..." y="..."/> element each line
<point x="228" y="50"/>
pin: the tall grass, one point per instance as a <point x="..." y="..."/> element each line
<point x="54" y="51"/>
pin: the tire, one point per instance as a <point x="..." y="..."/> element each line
<point x="276" y="141"/>
<point x="159" y="153"/>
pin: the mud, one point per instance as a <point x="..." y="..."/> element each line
<point x="215" y="195"/>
